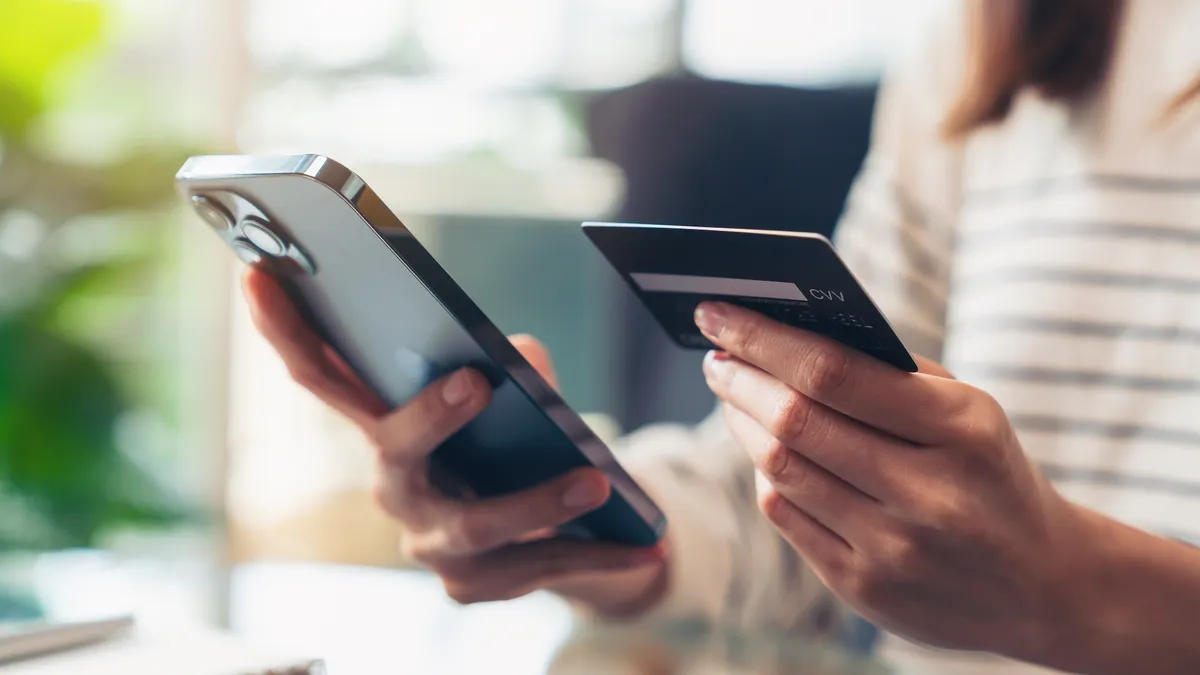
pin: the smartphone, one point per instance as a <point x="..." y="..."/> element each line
<point x="796" y="278"/>
<point x="369" y="288"/>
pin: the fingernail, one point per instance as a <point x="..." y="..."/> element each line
<point x="710" y="319"/>
<point x="458" y="389"/>
<point x="714" y="361"/>
<point x="583" y="494"/>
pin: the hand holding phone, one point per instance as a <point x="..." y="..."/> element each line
<point x="483" y="549"/>
<point x="387" y="312"/>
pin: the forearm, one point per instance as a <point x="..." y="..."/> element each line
<point x="1139" y="610"/>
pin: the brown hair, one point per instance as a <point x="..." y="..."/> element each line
<point x="1060" y="48"/>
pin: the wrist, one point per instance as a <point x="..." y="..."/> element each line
<point x="1047" y="631"/>
<point x="618" y="596"/>
<point x="1084" y="607"/>
<point x="1130" y="604"/>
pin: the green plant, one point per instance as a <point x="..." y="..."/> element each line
<point x="78" y="253"/>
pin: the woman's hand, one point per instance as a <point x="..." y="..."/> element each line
<point x="907" y="493"/>
<point x="483" y="550"/>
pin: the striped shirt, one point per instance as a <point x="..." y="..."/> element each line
<point x="1053" y="260"/>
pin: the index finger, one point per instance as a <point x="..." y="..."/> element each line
<point x="309" y="360"/>
<point x="910" y="406"/>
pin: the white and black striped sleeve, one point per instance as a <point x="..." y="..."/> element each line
<point x="897" y="232"/>
<point x="729" y="565"/>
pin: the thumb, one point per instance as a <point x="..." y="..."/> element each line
<point x="934" y="368"/>
<point x="537" y="355"/>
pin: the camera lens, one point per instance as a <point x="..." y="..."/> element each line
<point x="247" y="252"/>
<point x="267" y="241"/>
<point x="212" y="213"/>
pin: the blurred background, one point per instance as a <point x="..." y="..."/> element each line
<point x="152" y="449"/>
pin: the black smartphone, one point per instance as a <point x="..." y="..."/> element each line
<point x="796" y="278"/>
<point x="400" y="321"/>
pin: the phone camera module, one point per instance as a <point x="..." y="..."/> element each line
<point x="212" y="213"/>
<point x="248" y="252"/>
<point x="260" y="234"/>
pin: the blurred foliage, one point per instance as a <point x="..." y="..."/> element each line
<point x="38" y="37"/>
<point x="80" y="265"/>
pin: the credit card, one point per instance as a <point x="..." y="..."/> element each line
<point x="792" y="277"/>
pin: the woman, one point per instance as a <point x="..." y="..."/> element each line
<point x="1029" y="215"/>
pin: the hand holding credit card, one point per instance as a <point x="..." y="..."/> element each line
<point x="795" y="278"/>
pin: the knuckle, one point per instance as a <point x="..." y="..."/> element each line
<point x="866" y="587"/>
<point x="848" y="582"/>
<point x="774" y="506"/>
<point x="984" y="459"/>
<point x="379" y="437"/>
<point x="866" y="582"/>
<point x="994" y="424"/>
<point x="800" y="422"/>
<point x="849" y="588"/>
<point x="977" y="419"/>
<point x="978" y="431"/>
<point x="902" y="556"/>
<point x="839" y="567"/>
<point x="790" y="417"/>
<point x="741" y="336"/>
<point x="956" y="411"/>
<point x="827" y="372"/>
<point x="777" y="459"/>
<point x="954" y="520"/>
<point x="947" y="514"/>
<point x="976" y="461"/>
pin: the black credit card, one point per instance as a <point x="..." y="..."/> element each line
<point x="792" y="277"/>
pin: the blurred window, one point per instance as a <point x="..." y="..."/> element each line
<point x="417" y="81"/>
<point x="802" y="42"/>
<point x="420" y="81"/>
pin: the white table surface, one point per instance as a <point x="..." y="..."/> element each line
<point x="367" y="621"/>
<point x="192" y="652"/>
<point x="363" y="621"/>
<point x="359" y="621"/>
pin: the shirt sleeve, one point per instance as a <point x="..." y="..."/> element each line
<point x="897" y="231"/>
<point x="728" y="563"/>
